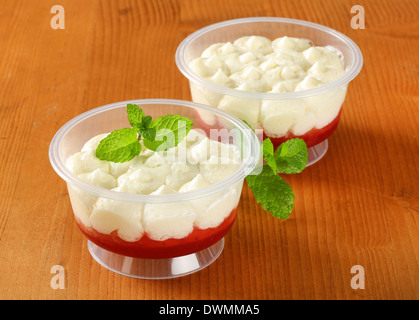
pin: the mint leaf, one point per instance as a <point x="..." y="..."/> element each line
<point x="248" y="125"/>
<point x="148" y="134"/>
<point x="291" y="156"/>
<point x="170" y="130"/>
<point x="146" y="121"/>
<point x="119" y="146"/>
<point x="272" y="192"/>
<point x="268" y="154"/>
<point x="135" y="115"/>
<point x="269" y="189"/>
<point x="163" y="133"/>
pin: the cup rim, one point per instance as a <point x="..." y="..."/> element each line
<point x="248" y="164"/>
<point x="349" y="75"/>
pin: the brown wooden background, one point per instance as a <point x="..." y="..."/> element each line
<point x="358" y="206"/>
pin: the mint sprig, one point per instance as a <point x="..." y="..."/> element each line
<point x="291" y="156"/>
<point x="165" y="132"/>
<point x="135" y="115"/>
<point x="169" y="131"/>
<point x="120" y="145"/>
<point x="270" y="190"/>
<point x="269" y="155"/>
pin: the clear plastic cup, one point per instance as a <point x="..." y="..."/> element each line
<point x="144" y="257"/>
<point x="320" y="106"/>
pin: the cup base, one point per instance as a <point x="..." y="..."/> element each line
<point x="156" y="268"/>
<point x="315" y="153"/>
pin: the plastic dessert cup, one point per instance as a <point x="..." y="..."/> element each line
<point x="324" y="101"/>
<point x="147" y="258"/>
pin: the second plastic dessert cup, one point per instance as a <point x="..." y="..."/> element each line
<point x="324" y="101"/>
<point x="147" y="258"/>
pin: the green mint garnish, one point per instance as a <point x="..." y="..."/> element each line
<point x="161" y="134"/>
<point x="169" y="131"/>
<point x="248" y="125"/>
<point x="269" y="154"/>
<point x="135" y="115"/>
<point x="270" y="190"/>
<point x="148" y="133"/>
<point x="119" y="146"/>
<point x="291" y="156"/>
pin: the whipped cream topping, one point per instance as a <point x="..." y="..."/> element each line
<point x="197" y="162"/>
<point x="255" y="63"/>
<point x="286" y="64"/>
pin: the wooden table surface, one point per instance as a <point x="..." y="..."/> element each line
<point x="357" y="206"/>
